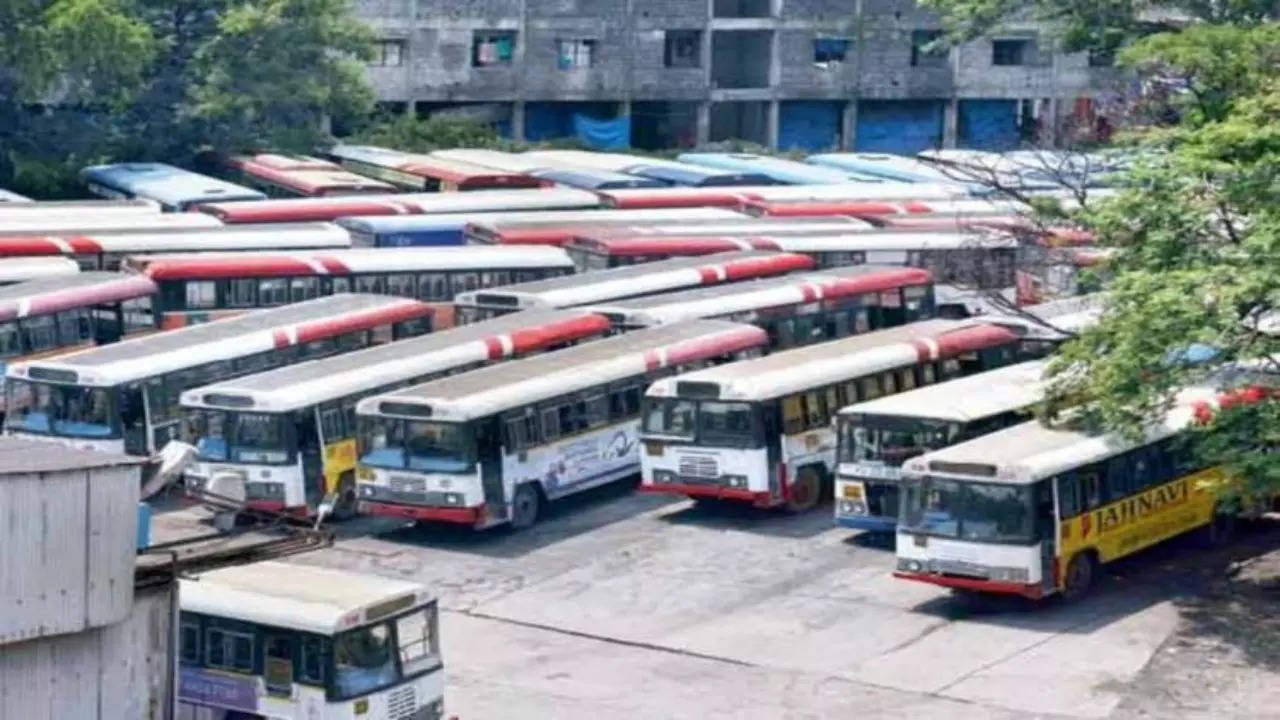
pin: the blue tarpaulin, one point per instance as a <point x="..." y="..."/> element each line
<point x="612" y="134"/>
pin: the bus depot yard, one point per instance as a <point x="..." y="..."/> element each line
<point x="613" y="436"/>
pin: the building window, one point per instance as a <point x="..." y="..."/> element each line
<point x="388" y="53"/>
<point x="575" y="54"/>
<point x="829" y="51"/>
<point x="925" y="50"/>
<point x="1012" y="52"/>
<point x="682" y="49"/>
<point x="492" y="47"/>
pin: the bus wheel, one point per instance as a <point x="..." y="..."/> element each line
<point x="806" y="491"/>
<point x="524" y="506"/>
<point x="1079" y="575"/>
<point x="345" y="509"/>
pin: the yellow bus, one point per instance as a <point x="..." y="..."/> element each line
<point x="1034" y="510"/>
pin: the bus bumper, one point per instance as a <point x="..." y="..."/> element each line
<point x="455" y="515"/>
<point x="717" y="492"/>
<point x="276" y="506"/>
<point x="870" y="523"/>
<point x="1026" y="590"/>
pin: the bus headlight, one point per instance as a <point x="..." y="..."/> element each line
<point x="910" y="565"/>
<point x="366" y="490"/>
<point x="850" y="507"/>
<point x="1008" y="574"/>
<point x="737" y="481"/>
<point x="364" y="473"/>
<point x="453" y="498"/>
<point x="663" y="476"/>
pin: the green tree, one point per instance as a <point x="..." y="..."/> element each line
<point x="409" y="133"/>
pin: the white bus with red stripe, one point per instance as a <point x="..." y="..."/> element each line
<point x="561" y="228"/>
<point x="16" y="270"/>
<point x="795" y="310"/>
<point x="70" y="223"/>
<point x="628" y="282"/>
<point x="65" y="208"/>
<point x="431" y="173"/>
<point x="328" y="209"/>
<point x="493" y="445"/>
<point x="114" y="249"/>
<point x="308" y="410"/>
<point x="202" y="287"/>
<point x="732" y="197"/>
<point x="300" y="176"/>
<point x="873" y="208"/>
<point x="124" y="397"/>
<point x="760" y="431"/>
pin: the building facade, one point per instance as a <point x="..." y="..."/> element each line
<point x="790" y="74"/>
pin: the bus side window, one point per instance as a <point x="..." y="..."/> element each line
<point x="906" y="379"/>
<point x="928" y="374"/>
<point x="851" y="392"/>
<point x="229" y="650"/>
<point x="815" y="410"/>
<point x="1120" y="478"/>
<point x="834" y="402"/>
<point x="340" y="285"/>
<point x="311" y="669"/>
<point x="1068" y="495"/>
<point x="1091" y="486"/>
<point x="277" y="664"/>
<point x="786" y="333"/>
<point x="189" y="641"/>
<point x="550" y="424"/>
<point x="433" y="286"/>
<point x="870" y="388"/>
<point x="792" y="415"/>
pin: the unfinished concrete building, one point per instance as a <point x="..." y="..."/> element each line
<point x="791" y="74"/>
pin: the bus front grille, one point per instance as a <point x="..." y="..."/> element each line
<point x="401" y="703"/>
<point x="699" y="466"/>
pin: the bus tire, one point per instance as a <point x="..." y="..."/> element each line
<point x="345" y="508"/>
<point x="525" y="505"/>
<point x="1079" y="577"/>
<point x="806" y="490"/>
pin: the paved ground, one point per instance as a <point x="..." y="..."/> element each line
<point x="624" y="606"/>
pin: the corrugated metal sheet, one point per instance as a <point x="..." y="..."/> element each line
<point x="987" y="124"/>
<point x="113" y="514"/>
<point x="902" y="127"/>
<point x="811" y="125"/>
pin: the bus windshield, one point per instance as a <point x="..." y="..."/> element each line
<point x="240" y="437"/>
<point x="893" y="440"/>
<point x="708" y="422"/>
<point x="63" y="410"/>
<point x="377" y="656"/>
<point x="417" y="445"/>
<point x="982" y="512"/>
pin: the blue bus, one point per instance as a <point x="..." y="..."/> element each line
<point x="174" y="188"/>
<point x="588" y="179"/>
<point x="664" y="171"/>
<point x="779" y="170"/>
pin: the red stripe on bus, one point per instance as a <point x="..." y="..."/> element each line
<point x="914" y="206"/>
<point x="18" y="245"/>
<point x="124" y="288"/>
<point x="775" y="265"/>
<point x="300" y="210"/>
<point x="364" y="320"/>
<point x="821" y="208"/>
<point x="684" y="198"/>
<point x="333" y="265"/>
<point x="280" y="338"/>
<point x="877" y="282"/>
<point x="534" y="236"/>
<point x="976" y="337"/>
<point x="493" y="347"/>
<point x="529" y="339"/>
<point x="723" y="343"/>
<point x="83" y="244"/>
<point x="225" y="267"/>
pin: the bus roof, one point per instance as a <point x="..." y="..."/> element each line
<point x="589" y="179"/>
<point x="766" y="293"/>
<point x="166" y="184"/>
<point x="306" y="384"/>
<point x="138" y="241"/>
<point x="780" y="170"/>
<point x="240" y="336"/>
<point x="965" y="399"/>
<point x="434" y="167"/>
<point x="812" y="366"/>
<point x="732" y="196"/>
<point x="297" y="597"/>
<point x="631" y="280"/>
<point x="8" y="196"/>
<point x="496" y="159"/>
<point x="307" y="209"/>
<point x="135" y="206"/>
<point x="32" y="268"/>
<point x="803" y="208"/>
<point x="55" y="294"/>
<point x="307" y="175"/>
<point x="558" y="231"/>
<point x="744" y="226"/>
<point x="693" y="244"/>
<point x="495" y="388"/>
<point x="890" y="167"/>
<point x="611" y="162"/>
<point x="411" y="223"/>
<point x="359" y="260"/>
<point x="77" y="223"/>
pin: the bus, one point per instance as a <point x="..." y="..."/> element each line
<point x="877" y="436"/>
<point x="493" y="445"/>
<point x="278" y="640"/>
<point x="109" y="249"/>
<point x="426" y="173"/>
<point x="329" y="209"/>
<point x="593" y="180"/>
<point x="760" y="431"/>
<point x="8" y="196"/>
<point x="21" y="269"/>
<point x="734" y="196"/>
<point x="67" y="208"/>
<point x="496" y="159"/>
<point x="560" y="228"/>
<point x="293" y="429"/>
<point x="1034" y="510"/>
<point x="123" y="398"/>
<point x="796" y="309"/>
<point x="627" y="282"/>
<point x="779" y="170"/>
<point x="664" y="171"/>
<point x="875" y="208"/>
<point x="203" y="287"/>
<point x="898" y="168"/>
<point x="56" y="223"/>
<point x="175" y="189"/>
<point x="288" y="176"/>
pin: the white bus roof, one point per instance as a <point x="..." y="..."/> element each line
<point x="496" y="159"/>
<point x="632" y="280"/>
<point x="236" y="337"/>
<point x="136" y="241"/>
<point x="298" y="597"/>
<point x="76" y="223"/>
<point x="19" y="269"/>
<point x="306" y="384"/>
<point x="331" y="208"/>
<point x="612" y="162"/>
<point x="360" y="260"/>
<point x="813" y="366"/>
<point x="49" y="295"/>
<point x="872" y="241"/>
<point x="605" y="216"/>
<point x="495" y="388"/>
<point x="61" y="208"/>
<point x="796" y="289"/>
<point x="746" y="226"/>
<point x="964" y="399"/>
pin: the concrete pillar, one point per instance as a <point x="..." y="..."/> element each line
<point x="950" y="123"/>
<point x="703" y="133"/>
<point x="772" y="113"/>
<point x="849" y="126"/>
<point x="517" y="120"/>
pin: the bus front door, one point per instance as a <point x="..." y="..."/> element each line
<point x="489" y="449"/>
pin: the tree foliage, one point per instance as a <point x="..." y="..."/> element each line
<point x="85" y="81"/>
<point x="407" y="132"/>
